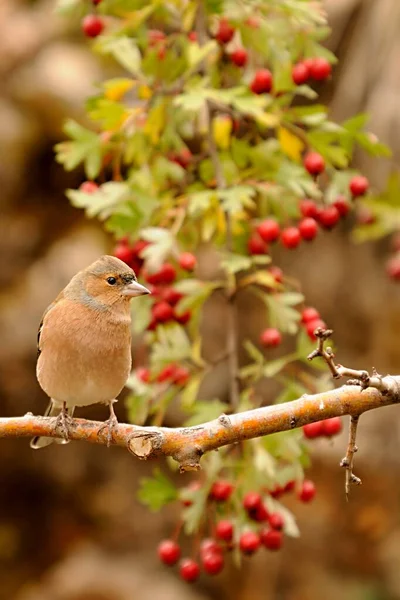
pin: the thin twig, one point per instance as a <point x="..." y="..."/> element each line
<point x="348" y="460"/>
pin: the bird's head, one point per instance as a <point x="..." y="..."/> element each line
<point x="109" y="282"/>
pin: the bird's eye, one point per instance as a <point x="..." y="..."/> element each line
<point x="111" y="280"/>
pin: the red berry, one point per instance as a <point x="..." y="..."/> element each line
<point x="251" y="501"/>
<point x="143" y="374"/>
<point x="277" y="273"/>
<point x="256" y="245"/>
<point x="289" y="486"/>
<point x="311" y="326"/>
<point x="221" y="490"/>
<point x="259" y="514"/>
<point x="308" y="229"/>
<point x="239" y="57"/>
<point x="167" y="373"/>
<point x="170" y="295"/>
<point x="169" y="552"/>
<point x="269" y="230"/>
<point x="96" y="2"/>
<point x="183" y="318"/>
<point x="162" y="312"/>
<point x="329" y="216"/>
<point x="187" y="261"/>
<point x="320" y="69"/>
<point x="155" y="36"/>
<point x="313" y="430"/>
<point x="308" y="208"/>
<point x="291" y="237"/>
<point x="225" y="31"/>
<point x="208" y="545"/>
<point x="152" y="326"/>
<point x="92" y="25"/>
<point x="365" y="216"/>
<point x="393" y="268"/>
<point x="161" y="52"/>
<point x="213" y="563"/>
<point x="307" y="491"/>
<point x="181" y="376"/>
<point x="332" y="426"/>
<point x="358" y="185"/>
<point x="249" y="542"/>
<point x="192" y="36"/>
<point x="342" y="206"/>
<point x="89" y="187"/>
<point x="253" y="22"/>
<point x="270" y="338"/>
<point x="124" y="253"/>
<point x="262" y="82"/>
<point x="276" y="521"/>
<point x="271" y="539"/>
<point x="300" y="73"/>
<point x="167" y="274"/>
<point x="139" y="246"/>
<point x="224" y="530"/>
<point x="189" y="570"/>
<point x="277" y="492"/>
<point x="309" y="314"/>
<point x="314" y="163"/>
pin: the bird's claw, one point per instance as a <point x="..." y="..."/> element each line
<point x="111" y="424"/>
<point x="64" y="424"/>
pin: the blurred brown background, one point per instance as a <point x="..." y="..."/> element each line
<point x="70" y="527"/>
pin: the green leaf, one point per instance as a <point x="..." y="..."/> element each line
<point x="205" y="411"/>
<point x="237" y="199"/>
<point x="196" y="54"/>
<point x="137" y="408"/>
<point x="157" y="491"/>
<point x="108" y="113"/>
<point x="234" y="263"/>
<point x="254" y="352"/>
<point x="196" y="293"/>
<point x="162" y="244"/>
<point x="189" y="394"/>
<point x="125" y="52"/>
<point x="101" y="203"/>
<point x="172" y="345"/>
<point x="85" y="147"/>
<point x="281" y="313"/>
<point x="273" y="367"/>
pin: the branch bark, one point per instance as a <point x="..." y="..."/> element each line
<point x="187" y="444"/>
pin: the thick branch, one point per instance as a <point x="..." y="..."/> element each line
<point x="187" y="445"/>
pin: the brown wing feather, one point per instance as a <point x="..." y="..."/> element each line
<point x="46" y="312"/>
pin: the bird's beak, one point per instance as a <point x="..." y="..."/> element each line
<point x="135" y="289"/>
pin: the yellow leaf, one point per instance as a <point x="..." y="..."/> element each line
<point x="155" y="122"/>
<point x="115" y="89"/>
<point x="222" y="129"/>
<point x="291" y="145"/>
<point x="238" y="220"/>
<point x="144" y="92"/>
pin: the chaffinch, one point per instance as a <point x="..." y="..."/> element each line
<point x="84" y="342"/>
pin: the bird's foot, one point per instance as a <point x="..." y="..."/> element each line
<point x="64" y="424"/>
<point x="110" y="425"/>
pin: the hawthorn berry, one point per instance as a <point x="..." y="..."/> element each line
<point x="192" y="36"/>
<point x="249" y="542"/>
<point x="271" y="337"/>
<point x="313" y="430"/>
<point x="139" y="246"/>
<point x="314" y="163"/>
<point x="277" y="273"/>
<point x="320" y="69"/>
<point x="225" y="31"/>
<point x="170" y="295"/>
<point x="256" y="245"/>
<point x="309" y="314"/>
<point x="365" y="216"/>
<point x="308" y="229"/>
<point x="183" y="318"/>
<point x="213" y="563"/>
<point x="221" y="490"/>
<point x="96" y="2"/>
<point x="342" y="206"/>
<point x="187" y="261"/>
<point x="331" y="426"/>
<point x="210" y="545"/>
<point x="224" y="530"/>
<point x="393" y="268"/>
<point x="181" y="376"/>
<point x="166" y="275"/>
<point x="189" y="569"/>
<point x="124" y="253"/>
<point x="162" y="312"/>
<point x="291" y="237"/>
<point x="169" y="552"/>
<point x="308" y="208"/>
<point x="155" y="36"/>
<point x="307" y="491"/>
<point x="89" y="187"/>
<point x="251" y="501"/>
<point x="167" y="373"/>
<point x="259" y="514"/>
<point x="329" y="216"/>
<point x="300" y="73"/>
<point x="183" y="157"/>
<point x="239" y="57"/>
<point x="289" y="487"/>
<point x="262" y="82"/>
<point x="269" y="230"/>
<point x="92" y="25"/>
<point x="276" y="521"/>
<point x="358" y="185"/>
<point x="143" y="374"/>
<point x="271" y="539"/>
<point x="311" y="326"/>
<point x="277" y="491"/>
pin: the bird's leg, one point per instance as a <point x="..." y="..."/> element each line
<point x="64" y="422"/>
<point x="111" y="424"/>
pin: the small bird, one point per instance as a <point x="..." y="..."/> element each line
<point x="84" y="343"/>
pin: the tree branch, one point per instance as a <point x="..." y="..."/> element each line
<point x="187" y="444"/>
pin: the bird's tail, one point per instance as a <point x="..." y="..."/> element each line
<point x="53" y="410"/>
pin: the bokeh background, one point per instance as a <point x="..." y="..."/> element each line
<point x="70" y="527"/>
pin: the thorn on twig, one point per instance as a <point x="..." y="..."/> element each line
<point x="326" y="353"/>
<point x="347" y="461"/>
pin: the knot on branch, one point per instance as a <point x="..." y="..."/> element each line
<point x="189" y="458"/>
<point x="144" y="444"/>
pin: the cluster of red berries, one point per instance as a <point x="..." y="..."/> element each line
<point x="317" y="69"/>
<point x="264" y="529"/>
<point x="326" y="428"/>
<point x="171" y="373"/>
<point x="165" y="296"/>
<point x="311" y="320"/>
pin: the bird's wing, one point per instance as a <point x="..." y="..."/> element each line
<point x="42" y="322"/>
